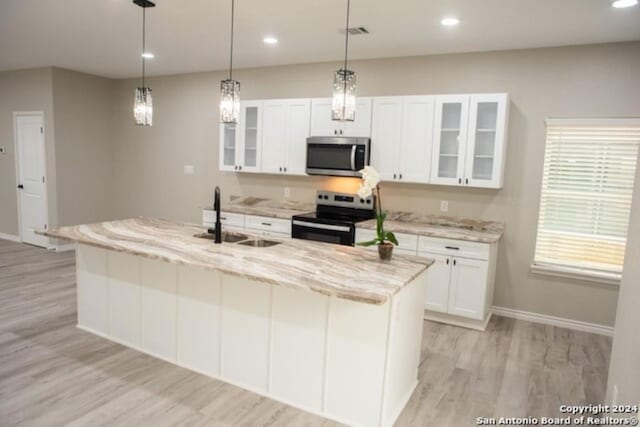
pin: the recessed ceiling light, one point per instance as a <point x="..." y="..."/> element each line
<point x="270" y="40"/>
<point x="148" y="55"/>
<point x="620" y="4"/>
<point x="450" y="22"/>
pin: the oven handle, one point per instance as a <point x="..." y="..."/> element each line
<point x="321" y="226"/>
<point x="353" y="157"/>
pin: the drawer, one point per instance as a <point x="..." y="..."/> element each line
<point x="228" y="219"/>
<point x="273" y="225"/>
<point x="452" y="247"/>
<point x="406" y="242"/>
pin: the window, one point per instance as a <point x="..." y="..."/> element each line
<point x="587" y="186"/>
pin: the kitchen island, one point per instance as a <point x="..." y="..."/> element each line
<point x="325" y="328"/>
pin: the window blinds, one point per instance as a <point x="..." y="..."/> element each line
<point x="587" y="187"/>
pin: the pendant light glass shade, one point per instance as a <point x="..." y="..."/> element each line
<point x="343" y="107"/>
<point x="143" y="107"/>
<point x="344" y="96"/>
<point x="229" y="101"/>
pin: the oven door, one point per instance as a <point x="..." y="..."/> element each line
<point x="329" y="233"/>
<point x="337" y="156"/>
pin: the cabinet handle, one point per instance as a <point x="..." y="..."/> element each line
<point x="223" y="218"/>
<point x="285" y="169"/>
<point x="335" y="131"/>
<point x="235" y="167"/>
<point x="454" y="262"/>
<point x="447" y="261"/>
<point x="452" y="247"/>
<point x="280" y="168"/>
<point x="240" y="167"/>
<point x="268" y="224"/>
<point x="466" y="180"/>
<point x="394" y="176"/>
<point x="459" y="180"/>
<point x="400" y="176"/>
<point x="341" y="131"/>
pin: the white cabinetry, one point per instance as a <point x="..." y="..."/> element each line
<point x="255" y="224"/>
<point x="284" y="136"/>
<point x="322" y="125"/>
<point x="459" y="283"/>
<point x="469" y="137"/>
<point x="240" y="143"/>
<point x="230" y="221"/>
<point x="402" y="133"/>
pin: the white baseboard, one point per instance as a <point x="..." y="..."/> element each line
<point x="10" y="237"/>
<point x="562" y="322"/>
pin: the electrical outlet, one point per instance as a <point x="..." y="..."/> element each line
<point x="188" y="169"/>
<point x="287" y="192"/>
<point x="444" y="206"/>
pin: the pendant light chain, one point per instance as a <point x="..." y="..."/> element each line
<point x="346" y="42"/>
<point x="231" y="46"/>
<point x="144" y="20"/>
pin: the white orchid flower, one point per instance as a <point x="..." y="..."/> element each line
<point x="370" y="176"/>
<point x="364" y="191"/>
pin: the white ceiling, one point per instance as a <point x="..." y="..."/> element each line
<point x="103" y="36"/>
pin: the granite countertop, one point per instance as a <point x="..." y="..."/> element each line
<point x="283" y="209"/>
<point x="341" y="271"/>
<point x="440" y="226"/>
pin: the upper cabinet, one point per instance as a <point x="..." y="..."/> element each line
<point x="402" y="133"/>
<point x="469" y="137"/>
<point x="241" y="143"/>
<point x="322" y="125"/>
<point x="442" y="139"/>
<point x="284" y="135"/>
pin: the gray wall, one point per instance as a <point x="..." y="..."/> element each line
<point x="84" y="154"/>
<point x="25" y="90"/>
<point x="584" y="81"/>
<point x="78" y="113"/>
<point x="624" y="369"/>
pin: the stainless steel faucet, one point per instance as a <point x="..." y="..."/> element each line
<point x="217" y="208"/>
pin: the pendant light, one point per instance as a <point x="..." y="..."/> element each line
<point x="143" y="103"/>
<point x="344" y="85"/>
<point x="229" y="88"/>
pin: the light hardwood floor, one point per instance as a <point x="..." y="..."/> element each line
<point x="52" y="374"/>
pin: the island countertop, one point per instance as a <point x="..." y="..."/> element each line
<point x="342" y="271"/>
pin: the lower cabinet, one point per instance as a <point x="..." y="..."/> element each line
<point x="262" y="225"/>
<point x="459" y="283"/>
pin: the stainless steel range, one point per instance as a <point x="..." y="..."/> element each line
<point x="335" y="218"/>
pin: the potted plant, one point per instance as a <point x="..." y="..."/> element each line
<point x="384" y="239"/>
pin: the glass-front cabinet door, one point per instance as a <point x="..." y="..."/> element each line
<point x="486" y="140"/>
<point x="228" y="147"/>
<point x="250" y="135"/>
<point x="449" y="139"/>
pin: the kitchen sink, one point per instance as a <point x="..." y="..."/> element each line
<point x="227" y="236"/>
<point x="259" y="243"/>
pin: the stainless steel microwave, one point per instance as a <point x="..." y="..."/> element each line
<point x="337" y="155"/>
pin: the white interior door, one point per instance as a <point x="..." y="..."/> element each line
<point x="32" y="191"/>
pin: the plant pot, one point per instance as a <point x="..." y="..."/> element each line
<point x="385" y="250"/>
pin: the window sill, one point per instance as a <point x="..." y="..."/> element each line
<point x="611" y="279"/>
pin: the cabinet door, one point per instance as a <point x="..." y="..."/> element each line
<point x="298" y="114"/>
<point x="250" y="135"/>
<point x="438" y="281"/>
<point x="468" y="288"/>
<point x="228" y="142"/>
<point x="486" y="140"/>
<point x="273" y="136"/>
<point x="321" y="123"/>
<point x="385" y="136"/>
<point x="361" y="126"/>
<point x="449" y="139"/>
<point x="417" y="139"/>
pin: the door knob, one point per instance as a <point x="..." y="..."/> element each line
<point x="20" y="186"/>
